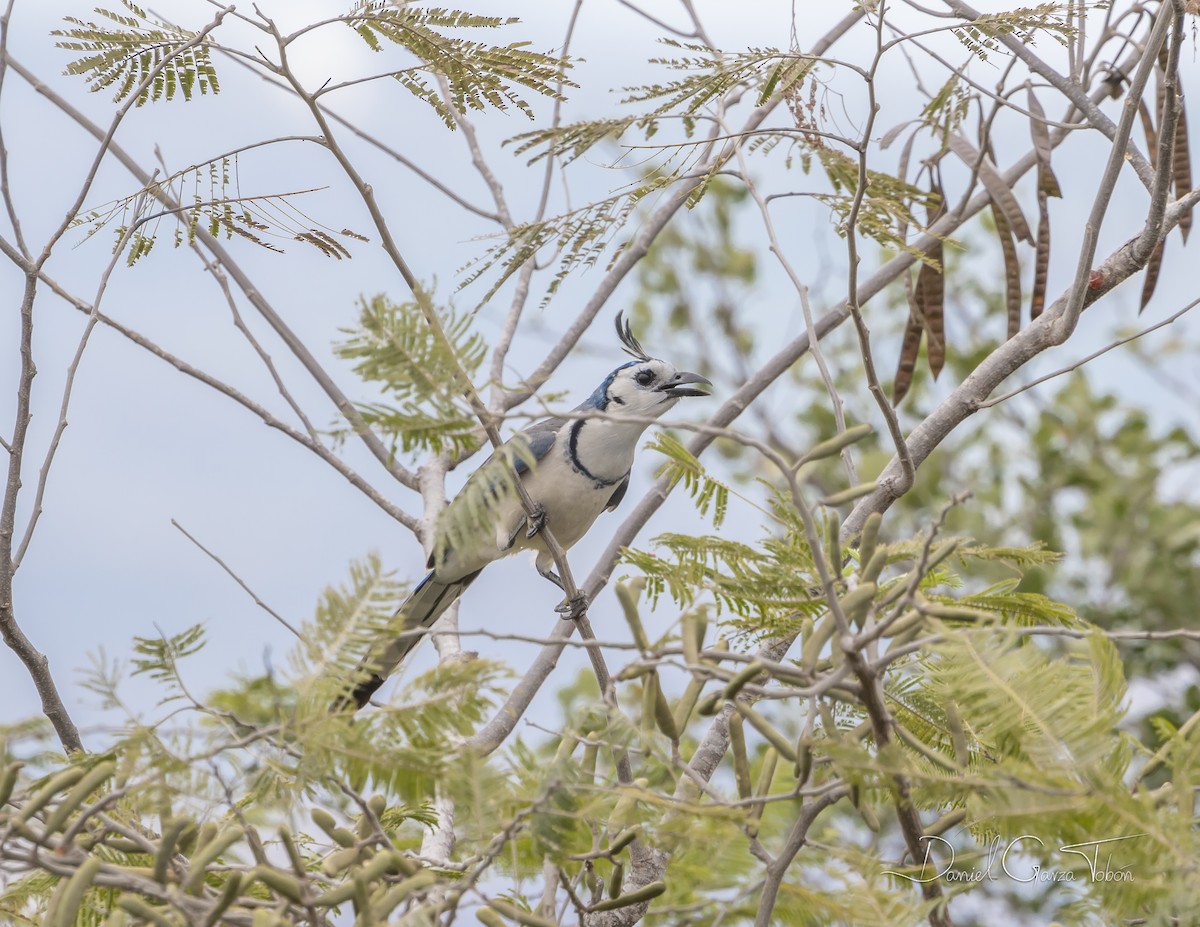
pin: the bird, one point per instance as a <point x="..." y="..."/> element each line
<point x="573" y="467"/>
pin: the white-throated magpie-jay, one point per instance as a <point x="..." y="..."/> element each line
<point x="582" y="469"/>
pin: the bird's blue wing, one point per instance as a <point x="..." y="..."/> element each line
<point x="540" y="437"/>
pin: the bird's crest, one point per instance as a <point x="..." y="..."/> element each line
<point x="629" y="344"/>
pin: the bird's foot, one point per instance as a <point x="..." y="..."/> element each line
<point x="536" y="521"/>
<point x="575" y="607"/>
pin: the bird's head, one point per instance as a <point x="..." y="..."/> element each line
<point x="645" y="387"/>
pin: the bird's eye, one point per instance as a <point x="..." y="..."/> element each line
<point x="645" y="377"/>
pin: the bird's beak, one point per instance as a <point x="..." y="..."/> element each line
<point x="687" y="384"/>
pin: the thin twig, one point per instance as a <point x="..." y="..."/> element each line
<point x="241" y="582"/>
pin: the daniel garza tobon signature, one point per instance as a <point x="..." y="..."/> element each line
<point x="1099" y="869"/>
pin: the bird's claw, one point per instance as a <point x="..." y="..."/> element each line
<point x="575" y="607"/>
<point x="536" y="521"/>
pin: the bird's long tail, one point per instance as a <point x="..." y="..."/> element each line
<point x="420" y="610"/>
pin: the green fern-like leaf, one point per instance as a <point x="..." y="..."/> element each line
<point x="391" y="347"/>
<point x="478" y="75"/>
<point x="123" y="52"/>
<point x="706" y="491"/>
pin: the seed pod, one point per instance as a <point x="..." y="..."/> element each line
<point x="622" y="840"/>
<point x="802" y="768"/>
<point x="765" y="776"/>
<point x="627" y="595"/>
<point x="489" y="918"/>
<point x="962" y="753"/>
<point x="140" y="909"/>
<point x="59" y="782"/>
<point x="833" y="541"/>
<point x="339" y="860"/>
<point x="229" y="893"/>
<point x="873" y="567"/>
<point x="856" y="602"/>
<point x="739" y="682"/>
<point x="566" y="746"/>
<point x="711" y="703"/>
<point x="615" y="880"/>
<point x="207" y="854"/>
<point x="695" y="626"/>
<point x="637" y="896"/>
<point x="377" y="804"/>
<point x="849" y="495"/>
<point x="293" y="852"/>
<point x="591" y="753"/>
<point x="415" y="883"/>
<point x="687" y="703"/>
<point x="945" y="822"/>
<point x="166" y="848"/>
<point x="869" y="537"/>
<point x="662" y="713"/>
<point x="513" y="913"/>
<point x="835" y="444"/>
<point x="764" y="727"/>
<point x="815" y="642"/>
<point x="956" y="612"/>
<point x="281" y="883"/>
<point x="64" y="904"/>
<point x="8" y="782"/>
<point x="92" y="780"/>
<point x="741" y="761"/>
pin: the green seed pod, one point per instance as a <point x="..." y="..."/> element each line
<point x="293" y="852"/>
<point x="622" y="840"/>
<point x="377" y="805"/>
<point x="849" y="495"/>
<point x="764" y="727"/>
<point x="739" y="681"/>
<point x="802" y="768"/>
<point x="324" y="820"/>
<point x="870" y="818"/>
<point x="956" y="612"/>
<point x="59" y="782"/>
<point x="282" y="883"/>
<point x="835" y="444"/>
<point x="869" y="538"/>
<point x="962" y="752"/>
<point x="124" y="845"/>
<point x="687" y="703"/>
<point x="566" y="746"/>
<point x="741" y="761"/>
<point x="591" y="754"/>
<point x="615" y="880"/>
<point x="637" y="896"/>
<point x="92" y="780"/>
<point x="229" y="894"/>
<point x="166" y="848"/>
<point x="339" y="860"/>
<point x="766" y="775"/>
<point x="694" y="628"/>
<point x="815" y="642"/>
<point x="946" y="821"/>
<point x="662" y="713"/>
<point x="856" y="602"/>
<point x="65" y="902"/>
<point x="140" y="909"/>
<point x="872" y="568"/>
<point x="8" y="782"/>
<point x="521" y="916"/>
<point x="711" y="703"/>
<point x="627" y="595"/>
<point x="489" y="918"/>
<point x="833" y="541"/>
<point x="207" y="854"/>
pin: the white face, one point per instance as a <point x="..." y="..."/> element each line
<point x="647" y="389"/>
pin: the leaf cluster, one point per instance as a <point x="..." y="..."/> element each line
<point x="477" y="75"/>
<point x="125" y="50"/>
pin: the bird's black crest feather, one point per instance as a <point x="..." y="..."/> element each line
<point x="629" y="344"/>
